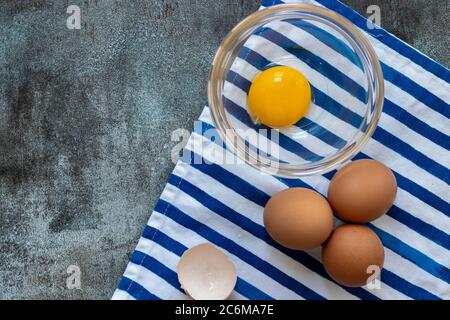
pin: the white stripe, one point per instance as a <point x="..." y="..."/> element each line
<point x="239" y="97"/>
<point x="121" y="295"/>
<point x="190" y="206"/>
<point x="152" y="282"/>
<point x="409" y="271"/>
<point x="418" y="109"/>
<point x="394" y="262"/>
<point x="395" y="228"/>
<point x="270" y="51"/>
<point x="170" y="259"/>
<point x="402" y="232"/>
<point x="254" y="212"/>
<point x="189" y="238"/>
<point x="422" y="210"/>
<point x="392" y="159"/>
<point x="400" y="97"/>
<point x="404" y="199"/>
<point x="397" y="61"/>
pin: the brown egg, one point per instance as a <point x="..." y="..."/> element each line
<point x="362" y="191"/>
<point x="298" y="218"/>
<point x="349" y="252"/>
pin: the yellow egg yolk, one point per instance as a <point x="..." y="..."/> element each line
<point x="279" y="97"/>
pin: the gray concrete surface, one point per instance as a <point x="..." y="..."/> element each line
<point x="86" y="117"/>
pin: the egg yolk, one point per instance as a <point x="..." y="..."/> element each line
<point x="279" y="97"/>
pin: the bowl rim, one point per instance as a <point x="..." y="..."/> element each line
<point x="248" y="155"/>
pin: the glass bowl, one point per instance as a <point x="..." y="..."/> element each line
<point x="346" y="85"/>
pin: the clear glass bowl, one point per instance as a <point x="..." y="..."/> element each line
<point x="346" y="83"/>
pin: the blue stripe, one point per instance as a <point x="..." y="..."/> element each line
<point x="417" y="157"/>
<point x="423" y="228"/>
<point x="413" y="255"/>
<point x="423" y="194"/>
<point x="418" y="92"/>
<point x="327" y="38"/>
<point x="389" y="107"/>
<point x="251" y="292"/>
<point x="427" y="230"/>
<point x="157" y="268"/>
<point x="396" y="78"/>
<point x="382" y="36"/>
<point x="323" y="134"/>
<point x="214" y="237"/>
<point x="135" y="290"/>
<point x="315" y="62"/>
<point x="243" y="287"/>
<point x="219" y="174"/>
<point x="257" y="230"/>
<point x="380" y="134"/>
<point x="287" y="143"/>
<point x="232" y="181"/>
<point x="254" y="58"/>
<point x="204" y="131"/>
<point x="388" y="39"/>
<point x="327" y="136"/>
<point x="416" y="124"/>
<point x="337" y="109"/>
<point x="414" y="189"/>
<point x="414" y="292"/>
<point x="239" y="81"/>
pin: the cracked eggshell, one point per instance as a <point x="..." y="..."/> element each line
<point x="206" y="273"/>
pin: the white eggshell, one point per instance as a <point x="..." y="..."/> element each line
<point x="206" y="273"/>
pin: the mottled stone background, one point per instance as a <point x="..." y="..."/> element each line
<point x="86" y="117"/>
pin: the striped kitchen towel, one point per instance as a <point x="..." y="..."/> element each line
<point x="211" y="201"/>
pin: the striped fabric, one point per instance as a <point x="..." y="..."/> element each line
<point x="207" y="201"/>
